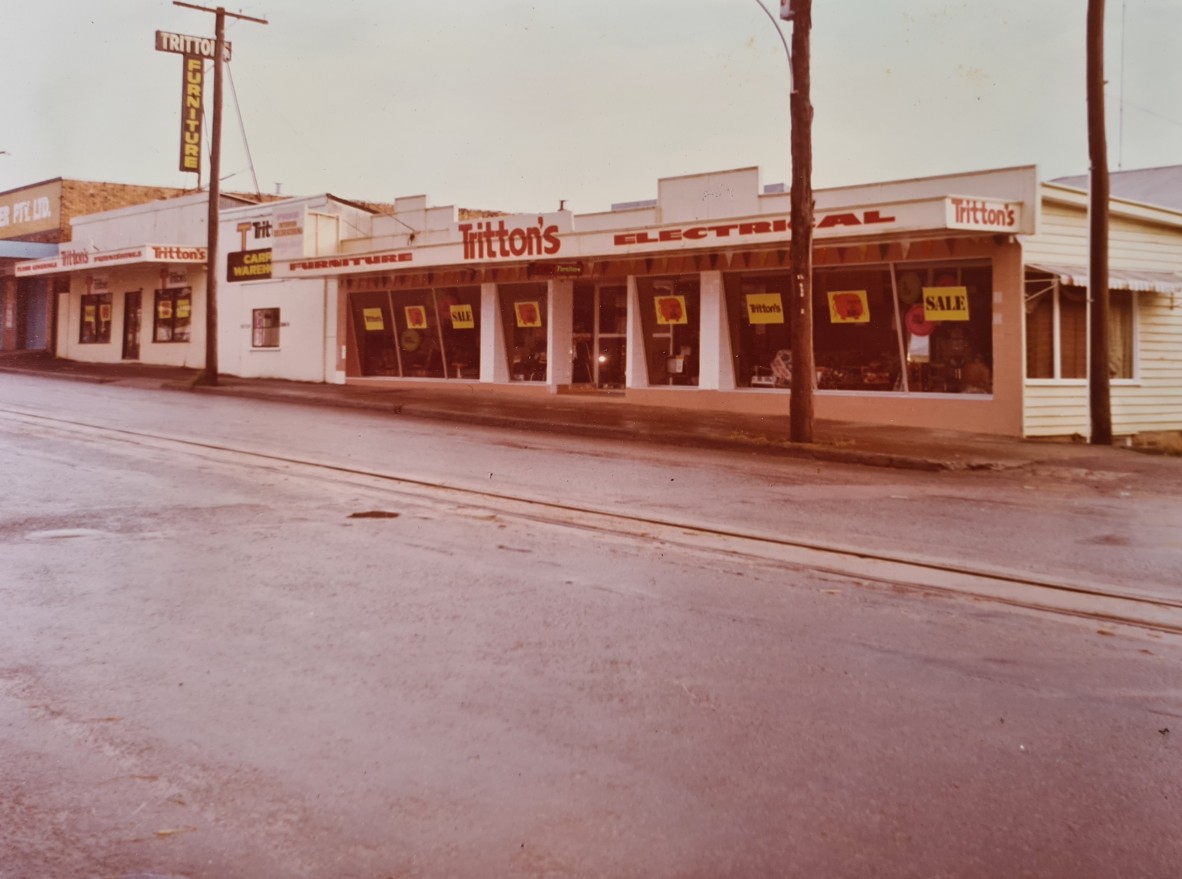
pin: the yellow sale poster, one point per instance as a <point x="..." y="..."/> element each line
<point x="462" y="317"/>
<point x="945" y="303"/>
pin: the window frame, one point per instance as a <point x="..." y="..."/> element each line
<point x="174" y="295"/>
<point x="1052" y="285"/>
<point x="265" y="329"/>
<point x="102" y="329"/>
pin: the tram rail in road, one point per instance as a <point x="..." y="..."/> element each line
<point x="1097" y="602"/>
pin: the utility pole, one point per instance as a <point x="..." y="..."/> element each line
<point x="800" y="12"/>
<point x="210" y="374"/>
<point x="1099" y="388"/>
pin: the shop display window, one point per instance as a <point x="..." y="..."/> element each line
<point x="911" y="327"/>
<point x="373" y="333"/>
<point x="264" y="328"/>
<point x="173" y="315"/>
<point x="1057" y="330"/>
<point x="855" y="330"/>
<point x="670" y="318"/>
<point x="523" y="316"/>
<point x="761" y="328"/>
<point x="947" y="326"/>
<point x="96" y="319"/>
<point x="432" y="332"/>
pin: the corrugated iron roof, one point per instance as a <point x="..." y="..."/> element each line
<point x="1156" y="186"/>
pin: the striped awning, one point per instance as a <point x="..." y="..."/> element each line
<point x="1118" y="279"/>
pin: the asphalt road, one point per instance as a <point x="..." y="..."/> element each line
<point x="211" y="668"/>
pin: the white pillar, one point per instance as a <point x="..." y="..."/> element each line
<point x="716" y="371"/>
<point x="636" y="369"/>
<point x="559" y="333"/>
<point x="494" y="361"/>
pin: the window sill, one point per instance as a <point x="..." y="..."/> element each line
<point x="1079" y="382"/>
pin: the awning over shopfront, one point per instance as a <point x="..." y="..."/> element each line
<point x="84" y="260"/>
<point x="26" y="250"/>
<point x="1118" y="279"/>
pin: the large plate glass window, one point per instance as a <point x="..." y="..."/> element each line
<point x="761" y="328"/>
<point x="670" y="315"/>
<point x="923" y="328"/>
<point x="523" y="316"/>
<point x="855" y="330"/>
<point x="946" y="315"/>
<point x="432" y="332"/>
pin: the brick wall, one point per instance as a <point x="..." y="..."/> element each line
<point x="86" y="197"/>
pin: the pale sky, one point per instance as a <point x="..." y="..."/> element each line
<point x="515" y="105"/>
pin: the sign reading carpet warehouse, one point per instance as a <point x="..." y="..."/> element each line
<point x="248" y="265"/>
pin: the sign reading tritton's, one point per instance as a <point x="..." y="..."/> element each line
<point x="483" y="240"/>
<point x="183" y="44"/>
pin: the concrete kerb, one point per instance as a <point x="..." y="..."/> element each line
<point x="734" y="440"/>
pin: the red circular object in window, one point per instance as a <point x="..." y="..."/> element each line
<point x="916" y="323"/>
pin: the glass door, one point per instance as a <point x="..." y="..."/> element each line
<point x="131" y="325"/>
<point x="600" y="328"/>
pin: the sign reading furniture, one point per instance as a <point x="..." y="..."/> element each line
<point x="195" y="50"/>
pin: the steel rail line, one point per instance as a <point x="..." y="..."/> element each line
<point x="920" y="574"/>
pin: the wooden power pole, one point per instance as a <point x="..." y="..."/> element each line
<point x="1099" y="387"/>
<point x="803" y="362"/>
<point x="210" y="374"/>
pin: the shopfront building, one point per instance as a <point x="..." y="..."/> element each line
<point x="284" y="328"/>
<point x="130" y="284"/>
<point x="684" y="301"/>
<point x="923" y="307"/>
<point x="36" y="220"/>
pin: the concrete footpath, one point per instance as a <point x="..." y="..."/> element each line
<point x="609" y="417"/>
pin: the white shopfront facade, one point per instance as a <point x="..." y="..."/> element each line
<point x="132" y="284"/>
<point x="683" y="301"/>
<point x="287" y="328"/>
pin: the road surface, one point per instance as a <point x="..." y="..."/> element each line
<point x="259" y="640"/>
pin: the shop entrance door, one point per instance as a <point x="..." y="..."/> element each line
<point x="600" y="335"/>
<point x="131" y="325"/>
<point x="32" y="314"/>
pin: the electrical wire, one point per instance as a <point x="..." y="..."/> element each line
<point x="242" y="129"/>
